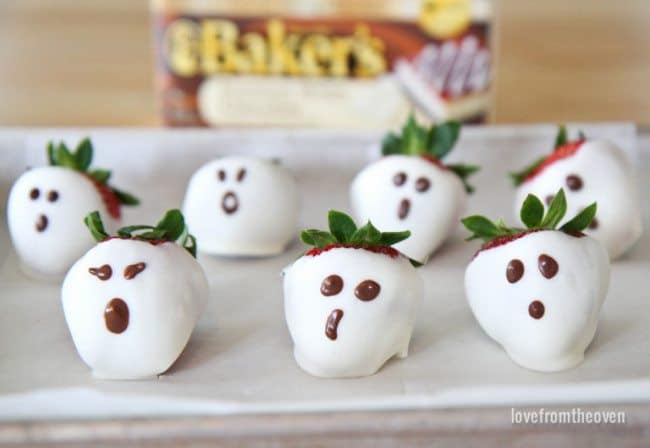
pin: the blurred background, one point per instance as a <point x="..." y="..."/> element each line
<point x="93" y="63"/>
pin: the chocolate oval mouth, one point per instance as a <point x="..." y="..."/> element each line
<point x="404" y="208"/>
<point x="116" y="316"/>
<point x="536" y="309"/>
<point x="332" y="324"/>
<point x="41" y="223"/>
<point x="229" y="202"/>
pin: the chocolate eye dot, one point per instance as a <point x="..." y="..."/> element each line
<point x="515" y="270"/>
<point x="549" y="199"/>
<point x="422" y="184"/>
<point x="221" y="174"/>
<point x="34" y="194"/>
<point x="547" y="265"/>
<point x="53" y="196"/>
<point x="594" y="224"/>
<point x="574" y="182"/>
<point x="367" y="290"/>
<point x="241" y="174"/>
<point x="332" y="285"/>
<point x="399" y="179"/>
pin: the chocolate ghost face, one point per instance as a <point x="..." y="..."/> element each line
<point x="131" y="306"/>
<point x="350" y="310"/>
<point x="242" y="206"/>
<point x="597" y="172"/>
<point x="539" y="296"/>
<point x="45" y="211"/>
<point x="407" y="192"/>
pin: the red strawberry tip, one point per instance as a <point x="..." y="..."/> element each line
<point x="505" y="239"/>
<point x="110" y="199"/>
<point x="385" y="250"/>
<point x="561" y="152"/>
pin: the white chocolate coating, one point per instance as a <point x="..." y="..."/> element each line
<point x="263" y="207"/>
<point x="608" y="179"/>
<point x="51" y="252"/>
<point x="433" y="214"/>
<point x="370" y="332"/>
<point x="572" y="298"/>
<point x="165" y="301"/>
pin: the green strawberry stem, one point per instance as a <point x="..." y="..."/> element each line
<point x="343" y="230"/>
<point x="533" y="217"/>
<point x="171" y="228"/>
<point x="436" y="141"/>
<point x="80" y="160"/>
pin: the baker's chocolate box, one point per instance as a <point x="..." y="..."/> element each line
<point x="330" y="64"/>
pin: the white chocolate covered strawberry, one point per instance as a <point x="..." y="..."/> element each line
<point x="47" y="205"/>
<point x="411" y="188"/>
<point x="589" y="170"/>
<point x="538" y="291"/>
<point x="242" y="206"/>
<point x="131" y="302"/>
<point x="351" y="301"/>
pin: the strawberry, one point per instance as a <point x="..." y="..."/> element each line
<point x="350" y="301"/>
<point x="538" y="291"/>
<point x="137" y="290"/>
<point x="589" y="171"/>
<point x="411" y="187"/>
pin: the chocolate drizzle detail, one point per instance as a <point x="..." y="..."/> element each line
<point x="515" y="270"/>
<point x="536" y="309"/>
<point x="229" y="202"/>
<point x="103" y="272"/>
<point x="134" y="269"/>
<point x="399" y="179"/>
<point x="332" y="324"/>
<point x="241" y="174"/>
<point x="41" y="223"/>
<point x="549" y="199"/>
<point x="574" y="182"/>
<point x="404" y="208"/>
<point x="367" y="290"/>
<point x="422" y="184"/>
<point x="331" y="285"/>
<point x="547" y="266"/>
<point x="116" y="316"/>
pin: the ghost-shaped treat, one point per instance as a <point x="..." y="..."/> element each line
<point x="351" y="301"/>
<point x="132" y="302"/>
<point x="47" y="205"/>
<point x="242" y="206"/>
<point x="590" y="170"/>
<point x="410" y="188"/>
<point x="538" y="291"/>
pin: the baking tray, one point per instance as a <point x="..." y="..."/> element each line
<point x="239" y="359"/>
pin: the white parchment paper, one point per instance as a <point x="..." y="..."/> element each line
<point x="239" y="358"/>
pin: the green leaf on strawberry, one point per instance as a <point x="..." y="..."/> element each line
<point x="343" y="230"/>
<point x="79" y="160"/>
<point x="94" y="223"/>
<point x="170" y="228"/>
<point x="533" y="217"/>
<point x="434" y="142"/>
